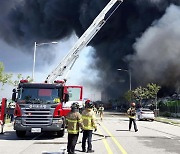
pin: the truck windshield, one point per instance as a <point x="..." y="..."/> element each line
<point x="35" y="95"/>
<point x="74" y="94"/>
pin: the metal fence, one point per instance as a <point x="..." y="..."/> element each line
<point x="170" y="107"/>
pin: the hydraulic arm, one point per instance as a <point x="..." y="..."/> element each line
<point x="69" y="60"/>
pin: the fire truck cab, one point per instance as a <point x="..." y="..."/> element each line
<point x="39" y="108"/>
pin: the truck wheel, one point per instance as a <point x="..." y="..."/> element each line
<point x="60" y="133"/>
<point x="20" y="133"/>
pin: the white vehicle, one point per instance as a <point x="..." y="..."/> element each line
<point x="145" y="114"/>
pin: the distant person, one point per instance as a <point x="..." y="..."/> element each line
<point x="94" y="109"/>
<point x="132" y="116"/>
<point x="74" y="123"/>
<point x="101" y="111"/>
<point x="89" y="122"/>
<point x="11" y="107"/>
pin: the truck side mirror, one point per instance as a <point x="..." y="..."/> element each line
<point x="14" y="95"/>
<point x="66" y="98"/>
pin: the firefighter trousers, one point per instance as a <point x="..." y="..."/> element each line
<point x="87" y="135"/>
<point x="134" y="123"/>
<point x="72" y="140"/>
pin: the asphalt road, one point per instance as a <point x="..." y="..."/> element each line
<point x="112" y="137"/>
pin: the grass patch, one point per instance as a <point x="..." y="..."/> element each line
<point x="165" y="120"/>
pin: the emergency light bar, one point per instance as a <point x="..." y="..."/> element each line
<point x="58" y="81"/>
<point x="23" y="81"/>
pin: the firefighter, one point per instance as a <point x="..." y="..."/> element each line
<point x="74" y="122"/>
<point x="11" y="107"/>
<point x="101" y="110"/>
<point x="94" y="109"/>
<point x="132" y="116"/>
<point x="89" y="123"/>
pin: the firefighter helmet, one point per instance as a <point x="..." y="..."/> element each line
<point x="133" y="104"/>
<point x="75" y="105"/>
<point x="90" y="105"/>
<point x="87" y="101"/>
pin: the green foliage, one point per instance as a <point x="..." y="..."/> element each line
<point x="20" y="77"/>
<point x="173" y="103"/>
<point x="146" y="92"/>
<point x="152" y="90"/>
<point x="7" y="78"/>
<point x="140" y="93"/>
<point x="129" y="96"/>
<point x="4" y="77"/>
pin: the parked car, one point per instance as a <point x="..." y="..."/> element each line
<point x="145" y="114"/>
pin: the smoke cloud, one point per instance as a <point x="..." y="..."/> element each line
<point x="158" y="53"/>
<point x="142" y="35"/>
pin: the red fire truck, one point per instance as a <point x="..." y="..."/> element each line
<point x="43" y="106"/>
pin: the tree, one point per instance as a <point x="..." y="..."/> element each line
<point x="140" y="93"/>
<point x="148" y="92"/>
<point x="153" y="90"/>
<point x="4" y="77"/>
<point x="129" y="96"/>
<point x="20" y="77"/>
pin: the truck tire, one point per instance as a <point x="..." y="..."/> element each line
<point x="20" y="133"/>
<point x="61" y="133"/>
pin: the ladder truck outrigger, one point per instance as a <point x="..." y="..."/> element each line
<point x="42" y="106"/>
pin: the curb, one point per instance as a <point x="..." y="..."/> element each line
<point x="168" y="122"/>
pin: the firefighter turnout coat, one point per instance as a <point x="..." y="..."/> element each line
<point x="131" y="112"/>
<point x="89" y="119"/>
<point x="74" y="122"/>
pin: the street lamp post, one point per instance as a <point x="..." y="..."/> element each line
<point x="129" y="71"/>
<point x="34" y="59"/>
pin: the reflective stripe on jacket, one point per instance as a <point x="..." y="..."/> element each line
<point x="129" y="113"/>
<point x="89" y="119"/>
<point x="74" y="122"/>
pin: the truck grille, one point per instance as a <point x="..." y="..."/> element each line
<point x="36" y="116"/>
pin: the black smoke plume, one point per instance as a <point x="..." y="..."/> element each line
<point x="141" y="36"/>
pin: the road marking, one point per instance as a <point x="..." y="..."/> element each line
<point x="106" y="144"/>
<point x="114" y="139"/>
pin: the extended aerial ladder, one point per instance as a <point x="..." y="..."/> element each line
<point x="69" y="60"/>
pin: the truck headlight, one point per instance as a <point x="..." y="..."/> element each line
<point x="17" y="121"/>
<point x="57" y="121"/>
